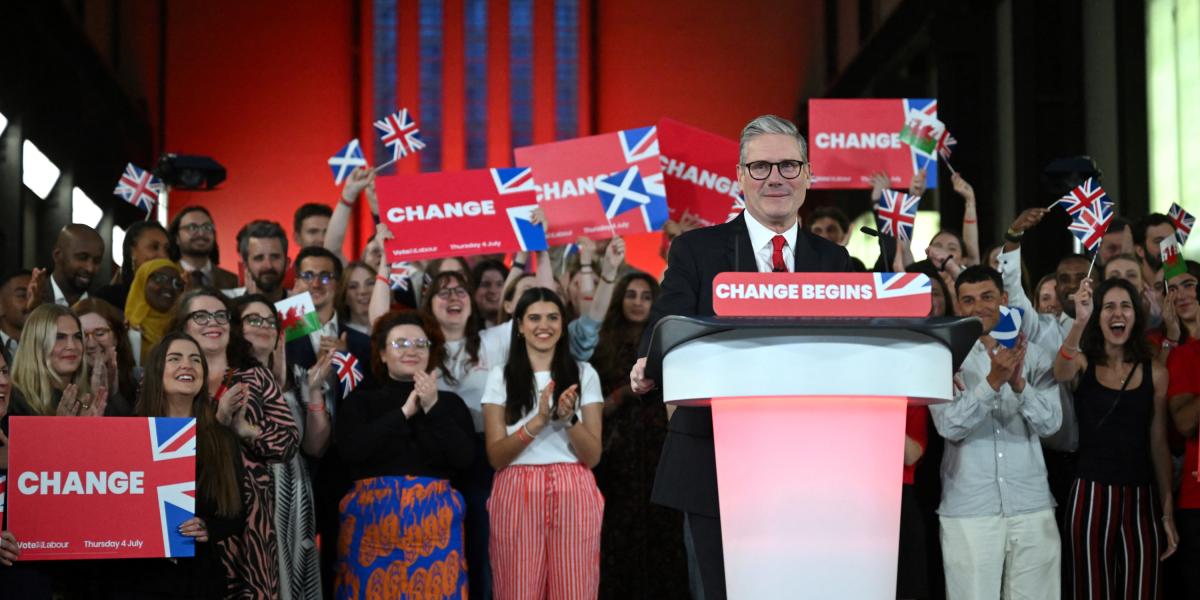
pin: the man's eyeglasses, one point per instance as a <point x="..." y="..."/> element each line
<point x="324" y="277"/>
<point x="457" y="292"/>
<point x="1186" y="284"/>
<point x="167" y="280"/>
<point x="406" y="343"/>
<point x="260" y="321"/>
<point x="203" y="317"/>
<point x="100" y="333"/>
<point x="761" y="169"/>
<point x="194" y="228"/>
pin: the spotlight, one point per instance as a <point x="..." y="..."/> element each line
<point x="3" y="122"/>
<point x="38" y="173"/>
<point x="118" y="244"/>
<point x="83" y="210"/>
<point x="183" y="172"/>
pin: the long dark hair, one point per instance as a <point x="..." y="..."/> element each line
<point x="520" y="391"/>
<point x="132" y="235"/>
<point x="238" y="353"/>
<point x="216" y="449"/>
<point x="1092" y="341"/>
<point x="616" y="351"/>
<point x="383" y="326"/>
<point x="474" y="320"/>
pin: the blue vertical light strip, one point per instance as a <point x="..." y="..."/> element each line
<point x="384" y="94"/>
<point x="430" y="122"/>
<point x="476" y="34"/>
<point x="520" y="40"/>
<point x="566" y="69"/>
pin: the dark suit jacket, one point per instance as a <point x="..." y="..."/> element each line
<point x="687" y="470"/>
<point x="300" y="352"/>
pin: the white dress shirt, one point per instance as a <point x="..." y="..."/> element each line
<point x="760" y="240"/>
<point x="59" y="297"/>
<point x="329" y="329"/>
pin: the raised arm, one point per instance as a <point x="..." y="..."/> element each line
<point x="970" y="223"/>
<point x="381" y="295"/>
<point x="1070" y="361"/>
<point x="335" y="235"/>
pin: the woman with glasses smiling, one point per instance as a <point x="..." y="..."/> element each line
<point x="250" y="403"/>
<point x="109" y="354"/>
<point x="403" y="440"/>
<point x="295" y="516"/>
<point x="153" y="292"/>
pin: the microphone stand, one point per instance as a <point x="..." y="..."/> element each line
<point x="883" y="253"/>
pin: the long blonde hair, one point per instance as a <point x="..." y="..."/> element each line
<point x="31" y="372"/>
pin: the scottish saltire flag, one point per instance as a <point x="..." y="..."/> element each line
<point x="1171" y="254"/>
<point x="897" y="214"/>
<point x="346" y="159"/>
<point x="627" y="193"/>
<point x="1082" y="197"/>
<point x="172" y="439"/>
<point x="531" y="237"/>
<point x="1183" y="222"/>
<point x="348" y="372"/>
<point x="1089" y="224"/>
<point x="1008" y="328"/>
<point x="399" y="131"/>
<point x="298" y="316"/>
<point x="895" y="285"/>
<point x="139" y="188"/>
<point x="514" y="180"/>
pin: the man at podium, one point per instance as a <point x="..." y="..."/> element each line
<point x="774" y="175"/>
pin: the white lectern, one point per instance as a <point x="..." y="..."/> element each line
<point x="808" y="426"/>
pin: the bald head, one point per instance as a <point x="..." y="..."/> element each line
<point x="77" y="255"/>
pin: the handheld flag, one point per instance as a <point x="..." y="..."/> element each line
<point x="1183" y="222"/>
<point x="348" y="372"/>
<point x="139" y="188"/>
<point x="399" y="131"/>
<point x="345" y="160"/>
<point x="897" y="214"/>
<point x="626" y="192"/>
<point x="922" y="130"/>
<point x="1172" y="259"/>
<point x="298" y="315"/>
<point x="1082" y="197"/>
<point x="946" y="143"/>
<point x="1089" y="224"/>
<point x="1008" y="328"/>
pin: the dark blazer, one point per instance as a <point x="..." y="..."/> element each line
<point x="687" y="472"/>
<point x="300" y="352"/>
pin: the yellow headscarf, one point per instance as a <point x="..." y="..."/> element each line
<point x="152" y="323"/>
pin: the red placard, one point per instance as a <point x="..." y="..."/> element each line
<point x="850" y="139"/>
<point x="101" y="487"/>
<point x="569" y="171"/>
<point x="484" y="211"/>
<point x="822" y="295"/>
<point x="699" y="172"/>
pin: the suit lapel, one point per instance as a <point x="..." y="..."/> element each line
<point x="740" y="252"/>
<point x="806" y="256"/>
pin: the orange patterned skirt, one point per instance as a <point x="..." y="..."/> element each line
<point x="401" y="537"/>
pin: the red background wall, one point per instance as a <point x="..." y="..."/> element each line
<point x="268" y="89"/>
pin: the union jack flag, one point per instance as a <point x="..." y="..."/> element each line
<point x="945" y="144"/>
<point x="348" y="372"/>
<point x="399" y="131"/>
<point x="897" y="214"/>
<point x="1090" y="223"/>
<point x="399" y="276"/>
<point x="894" y="285"/>
<point x="1183" y="222"/>
<point x="139" y="188"/>
<point x="513" y="180"/>
<point x="735" y="209"/>
<point x="172" y="439"/>
<point x="1082" y="197"/>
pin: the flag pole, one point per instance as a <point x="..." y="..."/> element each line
<point x="394" y="159"/>
<point x="948" y="165"/>
<point x="1094" y="257"/>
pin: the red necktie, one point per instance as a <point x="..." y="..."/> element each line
<point x="777" y="264"/>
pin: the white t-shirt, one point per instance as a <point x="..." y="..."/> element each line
<point x="494" y="343"/>
<point x="472" y="379"/>
<point x="552" y="444"/>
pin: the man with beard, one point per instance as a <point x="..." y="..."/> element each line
<point x="1148" y="233"/>
<point x="14" y="309"/>
<point x="263" y="246"/>
<point x="194" y="246"/>
<point x="77" y="255"/>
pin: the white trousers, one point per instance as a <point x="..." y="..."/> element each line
<point x="1014" y="558"/>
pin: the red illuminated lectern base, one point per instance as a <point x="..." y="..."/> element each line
<point x="810" y="495"/>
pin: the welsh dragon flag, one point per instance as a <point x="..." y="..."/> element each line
<point x="922" y="130"/>
<point x="1172" y="258"/>
<point x="298" y="315"/>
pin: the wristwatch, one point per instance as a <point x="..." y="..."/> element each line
<point x="574" y="420"/>
<point x="1013" y="235"/>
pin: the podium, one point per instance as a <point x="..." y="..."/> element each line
<point x="808" y="427"/>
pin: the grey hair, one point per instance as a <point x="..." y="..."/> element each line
<point x="260" y="229"/>
<point x="770" y="124"/>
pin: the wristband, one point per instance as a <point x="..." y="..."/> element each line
<point x="375" y="217"/>
<point x="1062" y="351"/>
<point x="383" y="279"/>
<point x="316" y="407"/>
<point x="524" y="435"/>
<point x="942" y="267"/>
<point x="1013" y="235"/>
<point x="518" y="265"/>
<point x="607" y="280"/>
<point x="348" y="204"/>
<point x="970" y="221"/>
<point x="1167" y="344"/>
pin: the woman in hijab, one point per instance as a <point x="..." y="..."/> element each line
<point x="155" y="287"/>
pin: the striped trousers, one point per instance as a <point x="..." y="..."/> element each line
<point x="545" y="532"/>
<point x="1112" y="541"/>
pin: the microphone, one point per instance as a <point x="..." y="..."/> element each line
<point x="883" y="253"/>
<point x="869" y="231"/>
